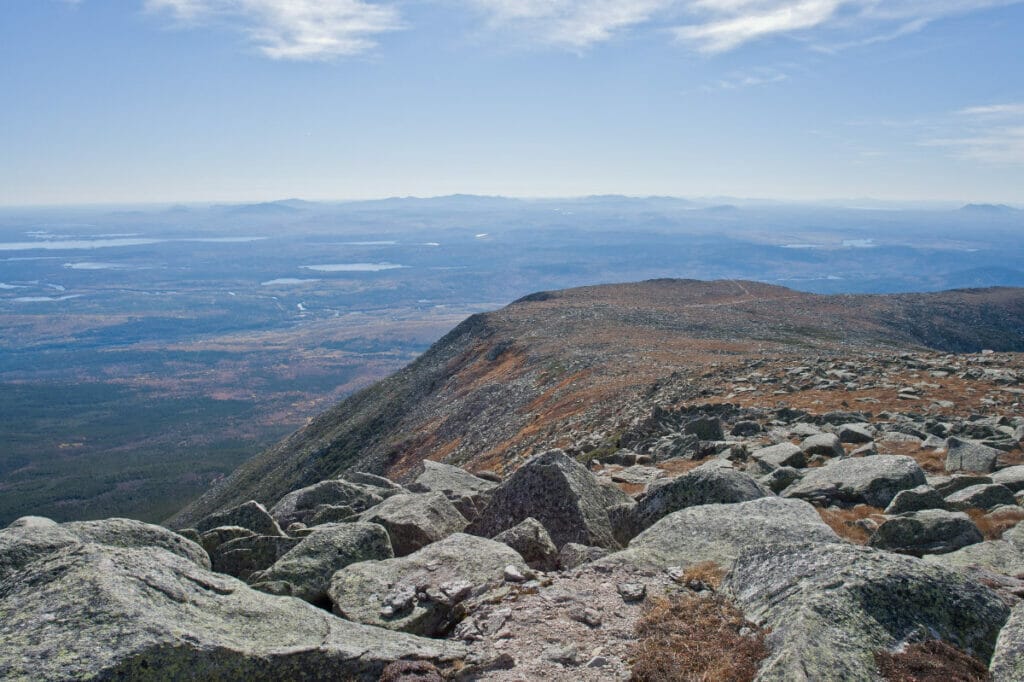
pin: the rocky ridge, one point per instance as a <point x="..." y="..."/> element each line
<point x="813" y="491"/>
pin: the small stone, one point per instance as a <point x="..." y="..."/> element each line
<point x="587" y="616"/>
<point x="632" y="592"/>
<point x="597" y="662"/>
<point x="514" y="575"/>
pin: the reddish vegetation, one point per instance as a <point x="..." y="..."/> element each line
<point x="933" y="661"/>
<point x="992" y="526"/>
<point x="706" y="572"/>
<point x="844" y="521"/>
<point x="686" y="638"/>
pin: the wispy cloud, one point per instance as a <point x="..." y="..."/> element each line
<point x="292" y="29"/>
<point x="990" y="134"/>
<point x="715" y="26"/>
<point x="758" y="77"/>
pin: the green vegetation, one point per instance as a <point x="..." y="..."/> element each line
<point x="74" y="451"/>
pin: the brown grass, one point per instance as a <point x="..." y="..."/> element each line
<point x="844" y="521"/>
<point x="993" y="528"/>
<point x="933" y="661"/>
<point x="686" y="638"/>
<point x="411" y="671"/>
<point x="707" y="572"/>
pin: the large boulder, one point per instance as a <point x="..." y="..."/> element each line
<point x="131" y="533"/>
<point x="711" y="483"/>
<point x="415" y="520"/>
<point x="467" y="492"/>
<point x="930" y="531"/>
<point x="825" y="444"/>
<point x="868" y="480"/>
<point x="831" y="607"/>
<point x="559" y="492"/>
<point x="305" y="571"/>
<point x="966" y="455"/>
<point x="422" y="593"/>
<point x="91" y="611"/>
<point x="531" y="540"/>
<point x="33" y="537"/>
<point x="983" y="496"/>
<point x="855" y="433"/>
<point x="251" y="515"/>
<point x="1008" y="660"/>
<point x="705" y="428"/>
<point x="721" y="532"/>
<point x="300" y="505"/>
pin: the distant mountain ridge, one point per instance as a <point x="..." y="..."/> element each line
<point x="503" y="384"/>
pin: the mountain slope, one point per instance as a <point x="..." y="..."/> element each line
<point x="555" y="365"/>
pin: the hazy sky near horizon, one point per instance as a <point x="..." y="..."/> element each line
<point x="118" y="101"/>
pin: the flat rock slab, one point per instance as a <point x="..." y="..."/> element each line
<point x="830" y="607"/>
<point x="467" y="492"/>
<point x="422" y="593"/>
<point x="1008" y="660"/>
<point x="92" y="611"/>
<point x="1004" y="556"/>
<point x="866" y="480"/>
<point x="982" y="496"/>
<point x="1011" y="477"/>
<point x="721" y="532"/>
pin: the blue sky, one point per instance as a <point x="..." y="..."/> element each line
<point x="124" y="101"/>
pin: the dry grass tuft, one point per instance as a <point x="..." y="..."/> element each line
<point x="687" y="638"/>
<point x="933" y="661"/>
<point x="992" y="526"/>
<point x="844" y="521"/>
<point x="707" y="573"/>
<point x="411" y="671"/>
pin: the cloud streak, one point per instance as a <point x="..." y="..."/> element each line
<point x="292" y="29"/>
<point x="992" y="134"/>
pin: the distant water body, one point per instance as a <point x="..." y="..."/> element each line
<point x="353" y="267"/>
<point x="79" y="244"/>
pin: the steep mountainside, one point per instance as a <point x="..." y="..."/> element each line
<point x="557" y="367"/>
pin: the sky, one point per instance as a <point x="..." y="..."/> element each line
<point x="137" y="101"/>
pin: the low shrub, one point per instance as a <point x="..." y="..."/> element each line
<point x="932" y="661"/>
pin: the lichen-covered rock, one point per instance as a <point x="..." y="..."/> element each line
<point x="467" y="492"/>
<point x="1008" y="660"/>
<point x="28" y="539"/>
<point x="1011" y="477"/>
<point x="384" y="487"/>
<point x="966" y="455"/>
<point x="251" y="515"/>
<point x="573" y="555"/>
<point x="305" y="571"/>
<point x="215" y="537"/>
<point x="782" y="455"/>
<point x="92" y="611"/>
<point x="855" y="433"/>
<point x="916" y="499"/>
<point x="831" y="607"/>
<point x="705" y="428"/>
<point x="948" y="485"/>
<point x="984" y="496"/>
<point x="300" y="505"/>
<point x="415" y="520"/>
<point x="422" y="593"/>
<point x="33" y="537"/>
<point x="930" y="531"/>
<point x="131" y="533"/>
<point x="780" y="479"/>
<point x="332" y="513"/>
<point x="868" y="480"/>
<point x="1004" y="556"/>
<point x="559" y="492"/>
<point x="245" y="555"/>
<point x="826" y="444"/>
<point x="530" y="539"/>
<point x="711" y="483"/>
<point x="720" y="532"/>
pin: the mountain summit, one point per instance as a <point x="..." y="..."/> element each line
<point x="555" y="366"/>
